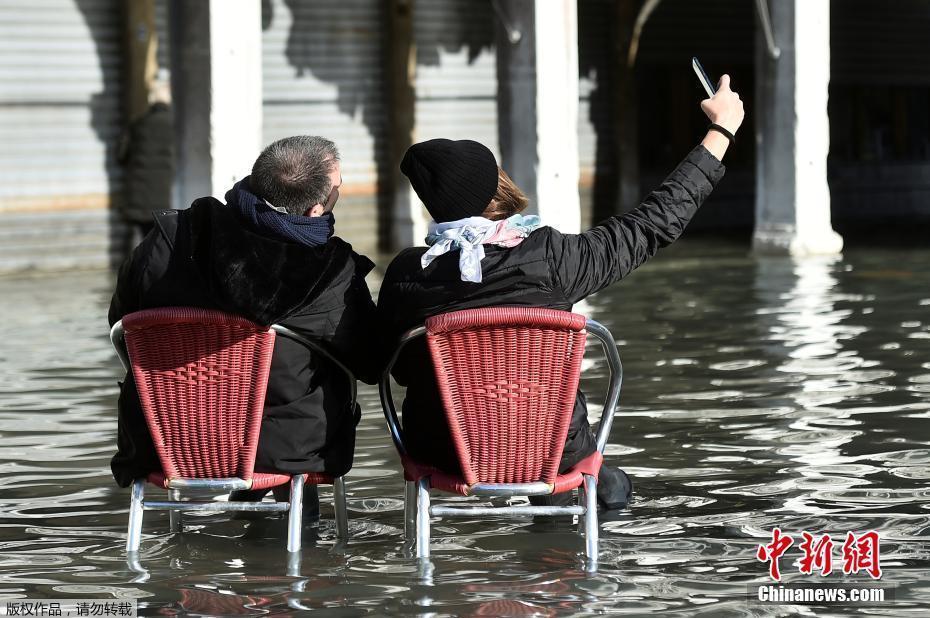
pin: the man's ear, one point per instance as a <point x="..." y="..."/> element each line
<point x="314" y="211"/>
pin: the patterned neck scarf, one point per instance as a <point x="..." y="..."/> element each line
<point x="470" y="235"/>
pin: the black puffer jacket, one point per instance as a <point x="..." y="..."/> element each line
<point x="548" y="269"/>
<point x="147" y="154"/>
<point x="206" y="257"/>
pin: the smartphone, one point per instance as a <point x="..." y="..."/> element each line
<point x="702" y="77"/>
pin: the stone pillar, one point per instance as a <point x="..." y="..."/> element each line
<point x="793" y="133"/>
<point x="406" y="226"/>
<point x="537" y="76"/>
<point x="216" y="86"/>
<point x="626" y="112"/>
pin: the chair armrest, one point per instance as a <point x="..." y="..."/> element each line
<point x="118" y="339"/>
<point x="603" y="335"/>
<point x="384" y="389"/>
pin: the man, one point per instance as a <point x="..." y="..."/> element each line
<point x="146" y="152"/>
<point x="268" y="255"/>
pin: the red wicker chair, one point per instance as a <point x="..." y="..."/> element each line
<point x="201" y="376"/>
<point x="508" y="377"/>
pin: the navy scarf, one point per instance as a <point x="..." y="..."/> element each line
<point x="309" y="231"/>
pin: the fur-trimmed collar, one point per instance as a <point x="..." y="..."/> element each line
<point x="263" y="279"/>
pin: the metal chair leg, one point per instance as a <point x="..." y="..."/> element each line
<point x="580" y="498"/>
<point x="591" y="528"/>
<point x="134" y="533"/>
<point x="174" y="517"/>
<point x="410" y="510"/>
<point x="342" y="513"/>
<point x="423" y="518"/>
<point x="295" y="513"/>
<point x="134" y="565"/>
<point x="293" y="565"/>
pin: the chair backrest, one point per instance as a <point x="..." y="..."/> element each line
<point x="201" y="376"/>
<point x="508" y="377"/>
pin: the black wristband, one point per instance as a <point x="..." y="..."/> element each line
<point x="716" y="127"/>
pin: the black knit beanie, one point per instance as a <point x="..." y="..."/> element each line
<point x="454" y="179"/>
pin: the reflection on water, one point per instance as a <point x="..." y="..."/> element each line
<point x="758" y="393"/>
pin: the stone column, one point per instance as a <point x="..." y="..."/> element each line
<point x="406" y="226"/>
<point x="216" y="86"/>
<point x="793" y="133"/>
<point x="537" y="76"/>
<point x="626" y="112"/>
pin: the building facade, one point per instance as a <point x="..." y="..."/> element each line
<point x="325" y="64"/>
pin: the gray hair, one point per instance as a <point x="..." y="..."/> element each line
<point x="293" y="173"/>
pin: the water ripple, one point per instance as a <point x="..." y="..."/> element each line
<point x="781" y="393"/>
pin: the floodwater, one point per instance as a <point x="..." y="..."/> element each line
<point x="759" y="393"/>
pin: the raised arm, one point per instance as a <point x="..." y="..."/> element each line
<point x="726" y="110"/>
<point x="588" y="262"/>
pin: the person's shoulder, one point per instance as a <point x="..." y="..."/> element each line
<point x="538" y="243"/>
<point x="165" y="229"/>
<point x="405" y="264"/>
<point x="202" y="211"/>
<point x="542" y="244"/>
<point x="204" y="204"/>
<point x="343" y="247"/>
<point x="170" y="220"/>
<point x="168" y="216"/>
<point x="542" y="234"/>
<point x="408" y="254"/>
<point x="353" y="263"/>
<point x="548" y="237"/>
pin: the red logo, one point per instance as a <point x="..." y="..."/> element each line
<point x="860" y="553"/>
<point x="773" y="551"/>
<point x="817" y="555"/>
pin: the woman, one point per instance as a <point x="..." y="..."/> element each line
<point x="483" y="252"/>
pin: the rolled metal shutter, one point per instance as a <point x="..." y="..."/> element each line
<point x="880" y="143"/>
<point x="323" y="75"/>
<point x="456" y="73"/>
<point x="880" y="42"/>
<point x="60" y="115"/>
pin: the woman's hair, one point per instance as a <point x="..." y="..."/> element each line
<point x="507" y="201"/>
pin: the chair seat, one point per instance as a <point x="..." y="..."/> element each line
<point x="260" y="480"/>
<point x="452" y="483"/>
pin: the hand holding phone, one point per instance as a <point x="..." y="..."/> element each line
<point x="722" y="107"/>
<point x="702" y="77"/>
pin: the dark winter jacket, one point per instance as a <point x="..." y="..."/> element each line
<point x="548" y="269"/>
<point x="147" y="154"/>
<point x="208" y="257"/>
